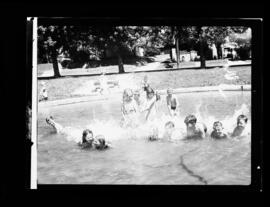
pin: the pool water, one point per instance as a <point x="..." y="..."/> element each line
<point x="135" y="160"/>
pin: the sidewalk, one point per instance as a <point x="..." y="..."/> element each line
<point x="95" y="97"/>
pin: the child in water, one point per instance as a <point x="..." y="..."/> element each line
<point x="172" y="103"/>
<point x="150" y="104"/>
<point x="145" y="83"/>
<point x="138" y="99"/>
<point x="169" y="129"/>
<point x="100" y="143"/>
<point x="155" y="135"/>
<point x="240" y="129"/>
<point x="88" y="140"/>
<point x="218" y="132"/>
<point x="195" y="129"/>
<point x="129" y="108"/>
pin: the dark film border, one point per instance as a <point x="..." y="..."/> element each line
<point x="257" y="91"/>
<point x="256" y="27"/>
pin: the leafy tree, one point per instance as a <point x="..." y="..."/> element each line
<point x="82" y="43"/>
<point x="243" y="41"/>
<point x="124" y="39"/>
<point x="75" y="41"/>
<point x="205" y="35"/>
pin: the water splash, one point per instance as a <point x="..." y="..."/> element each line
<point x="229" y="75"/>
<point x="220" y="90"/>
<point x="113" y="129"/>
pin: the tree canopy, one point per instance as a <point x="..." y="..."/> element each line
<point x="83" y="43"/>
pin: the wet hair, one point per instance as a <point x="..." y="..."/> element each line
<point x="216" y="123"/>
<point x="84" y="134"/>
<point x="149" y="90"/>
<point x="242" y="116"/>
<point x="102" y="142"/>
<point x="169" y="123"/>
<point x="190" y="119"/>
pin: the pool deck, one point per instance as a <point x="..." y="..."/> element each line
<point x="98" y="97"/>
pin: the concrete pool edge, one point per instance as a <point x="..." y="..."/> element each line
<point x="223" y="87"/>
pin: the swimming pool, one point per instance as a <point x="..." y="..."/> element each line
<point x="133" y="159"/>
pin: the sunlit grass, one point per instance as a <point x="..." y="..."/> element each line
<point x="62" y="88"/>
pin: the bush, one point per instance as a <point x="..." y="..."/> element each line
<point x="93" y="64"/>
<point x="243" y="52"/>
<point x="151" y="51"/>
<point x="65" y="63"/>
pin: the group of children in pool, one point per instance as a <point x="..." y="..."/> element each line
<point x="133" y="104"/>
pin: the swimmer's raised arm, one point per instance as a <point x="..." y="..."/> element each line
<point x="150" y="109"/>
<point x="177" y="102"/>
<point x="123" y="110"/>
<point x="168" y="104"/>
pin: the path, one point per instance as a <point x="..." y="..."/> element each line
<point x="156" y="65"/>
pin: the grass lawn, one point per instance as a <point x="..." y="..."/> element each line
<point x="62" y="88"/>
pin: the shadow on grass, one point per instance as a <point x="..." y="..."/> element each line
<point x="131" y="60"/>
<point x="168" y="66"/>
<point x="116" y="73"/>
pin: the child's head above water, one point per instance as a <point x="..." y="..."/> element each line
<point x="190" y="120"/>
<point x="169" y="91"/>
<point x="150" y="93"/>
<point x="87" y="136"/>
<point x="169" y="128"/>
<point x="242" y="120"/>
<point x="100" y="142"/>
<point x="217" y="126"/>
<point x="217" y="132"/>
<point x="136" y="93"/>
<point x="127" y="94"/>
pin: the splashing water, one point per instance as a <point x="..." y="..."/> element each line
<point x="113" y="130"/>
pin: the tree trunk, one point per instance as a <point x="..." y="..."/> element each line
<point x="202" y="53"/>
<point x="172" y="41"/>
<point x="177" y="52"/>
<point x="55" y="64"/>
<point x="219" y="52"/>
<point x="120" y="64"/>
